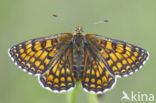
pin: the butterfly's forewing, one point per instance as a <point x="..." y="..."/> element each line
<point x="34" y="56"/>
<point x="121" y="58"/>
<point x="96" y="78"/>
<point x="59" y="78"/>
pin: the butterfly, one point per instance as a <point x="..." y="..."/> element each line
<point x="62" y="59"/>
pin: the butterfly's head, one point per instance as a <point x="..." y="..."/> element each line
<point x="79" y="29"/>
<point x="78" y="37"/>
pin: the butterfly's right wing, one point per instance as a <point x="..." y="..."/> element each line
<point x="36" y="55"/>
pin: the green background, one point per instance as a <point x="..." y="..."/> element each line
<point x="133" y="21"/>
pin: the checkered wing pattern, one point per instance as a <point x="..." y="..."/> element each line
<point x="96" y="79"/>
<point x="120" y="58"/>
<point x="35" y="56"/>
<point x="59" y="78"/>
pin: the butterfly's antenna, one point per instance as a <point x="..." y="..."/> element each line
<point x="102" y="21"/>
<point x="99" y="22"/>
<point x="62" y="19"/>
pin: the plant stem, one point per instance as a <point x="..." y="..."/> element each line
<point x="71" y="96"/>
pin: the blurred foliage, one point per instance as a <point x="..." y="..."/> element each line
<point x="133" y="21"/>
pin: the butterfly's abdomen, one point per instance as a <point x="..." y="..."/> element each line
<point x="78" y="57"/>
<point x="78" y="64"/>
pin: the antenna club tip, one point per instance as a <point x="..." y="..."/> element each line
<point x="106" y="20"/>
<point x="54" y="15"/>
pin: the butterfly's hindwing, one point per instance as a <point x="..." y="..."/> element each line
<point x="96" y="78"/>
<point x="59" y="78"/>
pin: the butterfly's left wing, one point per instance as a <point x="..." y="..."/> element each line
<point x="49" y="57"/>
<point x="120" y="58"/>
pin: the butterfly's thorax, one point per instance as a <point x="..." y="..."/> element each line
<point x="78" y="55"/>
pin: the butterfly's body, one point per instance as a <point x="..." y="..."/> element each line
<point x="78" y="55"/>
<point x="62" y="59"/>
